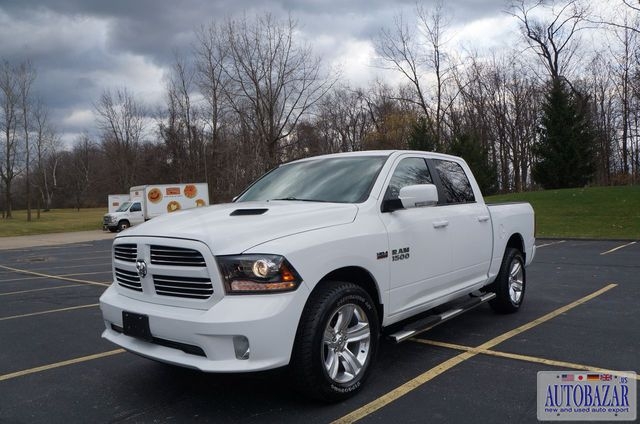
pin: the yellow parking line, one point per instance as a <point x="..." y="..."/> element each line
<point x="60" y="364"/>
<point x="617" y="248"/>
<point x="519" y="357"/>
<point x="450" y="363"/>
<point x="55" y="277"/>
<point x="42" y="289"/>
<point x="51" y="311"/>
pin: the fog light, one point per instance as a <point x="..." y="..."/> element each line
<point x="241" y="346"/>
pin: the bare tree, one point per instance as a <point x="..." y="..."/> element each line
<point x="122" y="122"/>
<point x="211" y="53"/>
<point x="417" y="53"/>
<point x="9" y="104"/>
<point x="554" y="39"/>
<point x="47" y="145"/>
<point x="78" y="169"/>
<point x="273" y="81"/>
<point x="26" y="76"/>
<point x="182" y="131"/>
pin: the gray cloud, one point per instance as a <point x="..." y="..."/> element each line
<point x="82" y="47"/>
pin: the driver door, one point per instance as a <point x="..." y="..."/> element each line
<point x="420" y="245"/>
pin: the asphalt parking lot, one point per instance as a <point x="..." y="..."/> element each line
<point x="580" y="312"/>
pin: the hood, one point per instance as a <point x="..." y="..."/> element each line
<point x="233" y="228"/>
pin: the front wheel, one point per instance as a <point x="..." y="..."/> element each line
<point x="123" y="225"/>
<point x="510" y="283"/>
<point x="336" y="342"/>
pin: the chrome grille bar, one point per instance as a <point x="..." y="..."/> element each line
<point x="125" y="252"/>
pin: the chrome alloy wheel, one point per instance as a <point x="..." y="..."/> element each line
<point x="516" y="281"/>
<point x="346" y="343"/>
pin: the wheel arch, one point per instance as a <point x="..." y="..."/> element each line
<point x="359" y="276"/>
<point x="517" y="242"/>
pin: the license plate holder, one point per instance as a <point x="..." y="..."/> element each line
<point x="136" y="325"/>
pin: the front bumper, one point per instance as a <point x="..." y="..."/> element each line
<point x="269" y="322"/>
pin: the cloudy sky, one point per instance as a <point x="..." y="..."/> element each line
<point x="82" y="47"/>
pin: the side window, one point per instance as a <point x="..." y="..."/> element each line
<point x="409" y="171"/>
<point x="135" y="208"/>
<point x="455" y="183"/>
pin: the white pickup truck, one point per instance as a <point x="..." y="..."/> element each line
<point x="312" y="263"/>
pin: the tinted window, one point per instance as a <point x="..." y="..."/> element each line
<point x="455" y="183"/>
<point x="409" y="171"/>
<point x="341" y="180"/>
<point x="135" y="207"/>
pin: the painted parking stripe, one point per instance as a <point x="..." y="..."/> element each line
<point x="550" y="244"/>
<point x="519" y="357"/>
<point x="51" y="311"/>
<point x="58" y="267"/>
<point x="12" y="280"/>
<point x="55" y="277"/>
<point x="42" y="289"/>
<point x="418" y="381"/>
<point x="60" y="364"/>
<point x="617" y="248"/>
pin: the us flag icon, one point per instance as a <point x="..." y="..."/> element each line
<point x="567" y="377"/>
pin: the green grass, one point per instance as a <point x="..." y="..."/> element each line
<point x="54" y="221"/>
<point x="593" y="212"/>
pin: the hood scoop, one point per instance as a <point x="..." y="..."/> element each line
<point x="245" y="212"/>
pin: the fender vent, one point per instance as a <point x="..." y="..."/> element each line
<point x="242" y="212"/>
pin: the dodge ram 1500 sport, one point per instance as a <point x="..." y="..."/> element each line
<point x="312" y="263"/>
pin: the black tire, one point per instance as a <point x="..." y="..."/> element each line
<point x="123" y="225"/>
<point x="511" y="279"/>
<point x="113" y="229"/>
<point x="322" y="312"/>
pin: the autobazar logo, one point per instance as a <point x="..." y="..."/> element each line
<point x="570" y="396"/>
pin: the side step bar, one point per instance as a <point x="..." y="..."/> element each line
<point x="420" y="326"/>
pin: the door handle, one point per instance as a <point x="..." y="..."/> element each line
<point x="483" y="218"/>
<point x="440" y="224"/>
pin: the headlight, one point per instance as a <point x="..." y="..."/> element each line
<point x="257" y="274"/>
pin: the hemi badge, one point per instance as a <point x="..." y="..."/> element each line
<point x="383" y="255"/>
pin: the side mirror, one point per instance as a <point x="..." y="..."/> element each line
<point x="415" y="196"/>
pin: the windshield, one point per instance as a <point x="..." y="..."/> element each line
<point x="339" y="180"/>
<point x="123" y="207"/>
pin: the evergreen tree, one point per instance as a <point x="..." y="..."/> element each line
<point x="421" y="137"/>
<point x="468" y="147"/>
<point x="565" y="155"/>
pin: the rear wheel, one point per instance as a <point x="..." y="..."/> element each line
<point x="510" y="283"/>
<point x="336" y="342"/>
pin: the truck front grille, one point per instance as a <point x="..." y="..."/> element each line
<point x="186" y="287"/>
<point x="176" y="256"/>
<point x="125" y="252"/>
<point x="128" y="279"/>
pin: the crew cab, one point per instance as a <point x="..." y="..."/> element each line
<point x="312" y="263"/>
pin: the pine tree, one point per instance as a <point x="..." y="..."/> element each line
<point x="565" y="155"/>
<point x="468" y="147"/>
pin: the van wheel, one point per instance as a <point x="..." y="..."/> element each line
<point x="113" y="229"/>
<point x="336" y="342"/>
<point x="123" y="225"/>
<point x="510" y="283"/>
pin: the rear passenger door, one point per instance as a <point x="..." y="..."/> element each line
<point x="469" y="224"/>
